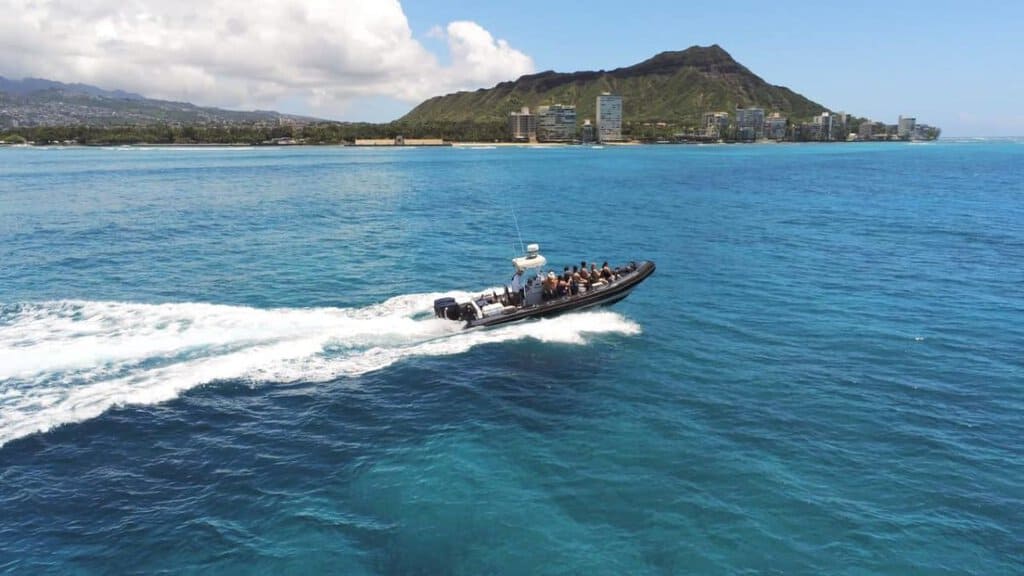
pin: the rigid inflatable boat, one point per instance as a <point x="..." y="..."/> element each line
<point x="530" y="294"/>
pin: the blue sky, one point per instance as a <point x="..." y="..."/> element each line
<point x="952" y="64"/>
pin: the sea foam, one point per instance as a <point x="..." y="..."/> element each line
<point x="68" y="361"/>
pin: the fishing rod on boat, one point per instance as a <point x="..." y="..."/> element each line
<point x="522" y="247"/>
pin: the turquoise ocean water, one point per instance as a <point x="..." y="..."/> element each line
<point x="217" y="361"/>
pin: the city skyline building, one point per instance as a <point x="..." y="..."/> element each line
<point x="866" y="130"/>
<point x="749" y="123"/>
<point x="905" y="127"/>
<point x="522" y="125"/>
<point x="715" y="124"/>
<point x="587" y="134"/>
<point x="775" y="127"/>
<point x="609" y="117"/>
<point x="832" y="126"/>
<point x="556" y="123"/>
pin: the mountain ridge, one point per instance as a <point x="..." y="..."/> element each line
<point x="41" y="102"/>
<point x="674" y="86"/>
<point x="30" y="85"/>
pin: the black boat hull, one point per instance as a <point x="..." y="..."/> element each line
<point x="603" y="296"/>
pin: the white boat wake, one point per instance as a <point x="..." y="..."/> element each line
<point x="69" y="361"/>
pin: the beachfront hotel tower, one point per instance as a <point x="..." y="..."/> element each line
<point x="749" y="123"/>
<point x="522" y="125"/>
<point x="715" y="124"/>
<point x="556" y="123"/>
<point x="905" y="127"/>
<point x="609" y="117"/>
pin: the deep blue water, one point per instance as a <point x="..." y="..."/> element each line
<point x="216" y="360"/>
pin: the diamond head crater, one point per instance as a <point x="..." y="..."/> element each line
<point x="700" y="94"/>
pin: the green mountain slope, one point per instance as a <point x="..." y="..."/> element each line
<point x="673" y="87"/>
<point x="40" y="102"/>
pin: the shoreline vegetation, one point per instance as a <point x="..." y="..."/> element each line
<point x="334" y="134"/>
<point x="470" y="145"/>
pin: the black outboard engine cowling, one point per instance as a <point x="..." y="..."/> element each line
<point x="447" y="308"/>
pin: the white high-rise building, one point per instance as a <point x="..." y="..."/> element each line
<point x="749" y="123"/>
<point x="556" y="123"/>
<point x="609" y="117"/>
<point x="905" y="128"/>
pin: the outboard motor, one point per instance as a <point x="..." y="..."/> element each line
<point x="447" y="308"/>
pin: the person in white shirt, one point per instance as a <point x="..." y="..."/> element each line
<point x="516" y="288"/>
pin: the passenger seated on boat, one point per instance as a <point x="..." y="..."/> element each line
<point x="550" y="286"/>
<point x="563" y="288"/>
<point x="585" y="275"/>
<point x="574" y="283"/>
<point x="607" y="273"/>
<point x="595" y="277"/>
<point x="514" y="298"/>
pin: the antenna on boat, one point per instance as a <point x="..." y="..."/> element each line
<point x="522" y="247"/>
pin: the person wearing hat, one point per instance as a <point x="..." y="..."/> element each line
<point x="550" y="285"/>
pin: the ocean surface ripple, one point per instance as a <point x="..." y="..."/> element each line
<point x="223" y="360"/>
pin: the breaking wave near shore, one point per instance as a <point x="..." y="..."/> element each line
<point x="69" y="361"/>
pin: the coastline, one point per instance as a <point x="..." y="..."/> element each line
<point x="471" y="145"/>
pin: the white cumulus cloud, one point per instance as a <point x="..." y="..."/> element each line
<point x="318" y="54"/>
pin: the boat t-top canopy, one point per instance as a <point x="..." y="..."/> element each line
<point x="533" y="259"/>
